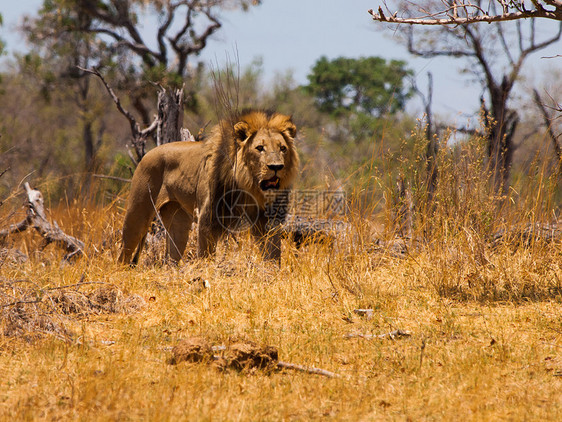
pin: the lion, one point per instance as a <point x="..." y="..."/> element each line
<point x="241" y="172"/>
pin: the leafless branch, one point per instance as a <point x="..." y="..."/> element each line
<point x="473" y="13"/>
<point x="138" y="135"/>
<point x="15" y="228"/>
<point x="119" y="24"/>
<point x="307" y="369"/>
<point x="51" y="233"/>
<point x="548" y="124"/>
<point x="132" y="121"/>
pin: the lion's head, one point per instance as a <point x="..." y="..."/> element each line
<point x="263" y="156"/>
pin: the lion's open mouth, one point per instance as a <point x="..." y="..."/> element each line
<point x="268" y="184"/>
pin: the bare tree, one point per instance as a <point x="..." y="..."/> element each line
<point x="182" y="30"/>
<point x="496" y="55"/>
<point x="460" y="12"/>
<point x="138" y="135"/>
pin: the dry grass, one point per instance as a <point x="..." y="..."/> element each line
<point x="484" y="319"/>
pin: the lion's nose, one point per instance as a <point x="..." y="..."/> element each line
<point x="275" y="167"/>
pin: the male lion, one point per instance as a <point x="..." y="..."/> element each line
<point x="225" y="176"/>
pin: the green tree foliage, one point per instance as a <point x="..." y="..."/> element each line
<point x="360" y="100"/>
<point x="368" y="85"/>
<point x="1" y="42"/>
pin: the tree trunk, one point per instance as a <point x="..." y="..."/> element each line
<point x="501" y="123"/>
<point x="432" y="144"/>
<point x="89" y="156"/>
<point x="170" y="116"/>
<point x="89" y="146"/>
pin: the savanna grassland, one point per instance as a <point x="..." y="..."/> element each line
<point x="438" y="298"/>
<point x="93" y="340"/>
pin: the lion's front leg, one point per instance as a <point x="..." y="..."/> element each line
<point x="207" y="233"/>
<point x="273" y="246"/>
<point x="269" y="238"/>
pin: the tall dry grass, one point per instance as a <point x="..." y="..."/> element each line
<point x="483" y="311"/>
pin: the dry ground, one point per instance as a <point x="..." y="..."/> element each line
<point x="485" y="325"/>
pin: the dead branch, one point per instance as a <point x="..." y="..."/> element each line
<point x="139" y="135"/>
<point x="196" y="22"/>
<point x="472" y="13"/>
<point x="37" y="219"/>
<point x="14" y="228"/>
<point x="471" y="42"/>
<point x="307" y="369"/>
<point x="51" y="233"/>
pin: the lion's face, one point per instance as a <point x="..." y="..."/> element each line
<point x="267" y="150"/>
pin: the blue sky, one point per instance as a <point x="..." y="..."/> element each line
<point x="293" y="34"/>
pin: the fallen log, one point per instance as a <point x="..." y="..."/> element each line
<point x="51" y="233"/>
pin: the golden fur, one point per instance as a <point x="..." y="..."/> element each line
<point x="252" y="154"/>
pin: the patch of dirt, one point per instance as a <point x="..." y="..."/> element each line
<point x="193" y="349"/>
<point x="240" y="356"/>
<point x="247" y="355"/>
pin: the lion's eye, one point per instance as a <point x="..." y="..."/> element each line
<point x="283" y="148"/>
<point x="260" y="148"/>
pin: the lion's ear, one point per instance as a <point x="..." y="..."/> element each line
<point x="291" y="129"/>
<point x="241" y="131"/>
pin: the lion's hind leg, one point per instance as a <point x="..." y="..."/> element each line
<point x="135" y="227"/>
<point x="177" y="223"/>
